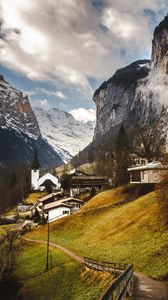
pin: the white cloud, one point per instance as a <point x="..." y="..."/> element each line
<point x="28" y="93"/>
<point x="64" y="42"/>
<point x="84" y="115"/>
<point x="58" y="94"/>
<point x="40" y="103"/>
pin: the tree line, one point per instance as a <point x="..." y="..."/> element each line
<point x="14" y="186"/>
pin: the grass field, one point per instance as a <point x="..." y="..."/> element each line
<point x="4" y="228"/>
<point x="67" y="279"/>
<point x="130" y="233"/>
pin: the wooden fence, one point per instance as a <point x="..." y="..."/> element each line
<point x="120" y="287"/>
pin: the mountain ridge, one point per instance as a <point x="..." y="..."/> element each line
<point x="19" y="130"/>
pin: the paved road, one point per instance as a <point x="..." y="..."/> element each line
<point x="145" y="289"/>
<point x="149" y="289"/>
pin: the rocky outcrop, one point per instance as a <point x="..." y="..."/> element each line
<point x="136" y="92"/>
<point x="16" y="112"/>
<point x="160" y="46"/>
<point x="115" y="98"/>
<point x="19" y="130"/>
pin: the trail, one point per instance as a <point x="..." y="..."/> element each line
<point x="68" y="252"/>
<point x="145" y="288"/>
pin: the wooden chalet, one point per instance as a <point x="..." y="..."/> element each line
<point x="82" y="182"/>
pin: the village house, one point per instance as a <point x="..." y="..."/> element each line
<point x="152" y="172"/>
<point x="62" y="208"/>
<point x="82" y="182"/>
<point x="46" y="200"/>
<point x="56" y="205"/>
<point x="56" y="210"/>
<point x="39" y="183"/>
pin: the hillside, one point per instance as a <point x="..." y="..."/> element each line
<point x="68" y="279"/>
<point x="130" y="232"/>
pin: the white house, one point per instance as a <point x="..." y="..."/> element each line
<point x="57" y="210"/>
<point x="149" y="173"/>
<point x="62" y="208"/>
<point x="39" y="183"/>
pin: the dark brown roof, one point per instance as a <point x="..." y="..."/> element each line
<point x="56" y="204"/>
<point x="52" y="195"/>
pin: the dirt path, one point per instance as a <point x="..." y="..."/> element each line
<point x="68" y="252"/>
<point x="145" y="288"/>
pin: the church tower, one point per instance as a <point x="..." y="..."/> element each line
<point x="35" y="172"/>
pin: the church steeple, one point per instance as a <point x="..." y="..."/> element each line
<point x="35" y="162"/>
<point x="35" y="172"/>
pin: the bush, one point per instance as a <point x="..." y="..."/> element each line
<point x="36" y="216"/>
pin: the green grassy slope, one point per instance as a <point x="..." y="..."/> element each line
<point x="67" y="279"/>
<point x="130" y="232"/>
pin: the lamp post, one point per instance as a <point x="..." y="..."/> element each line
<point x="48" y="243"/>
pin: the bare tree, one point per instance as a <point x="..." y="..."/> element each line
<point x="8" y="247"/>
<point x="150" y="135"/>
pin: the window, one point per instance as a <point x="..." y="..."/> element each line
<point x="136" y="176"/>
<point x="65" y="212"/>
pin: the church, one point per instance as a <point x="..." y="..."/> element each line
<point x="40" y="183"/>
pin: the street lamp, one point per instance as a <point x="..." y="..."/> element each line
<point x="48" y="243"/>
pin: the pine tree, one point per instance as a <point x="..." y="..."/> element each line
<point x="122" y="157"/>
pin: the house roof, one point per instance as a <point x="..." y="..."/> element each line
<point x="49" y="196"/>
<point x="45" y="182"/>
<point x="50" y="177"/>
<point x="62" y="202"/>
<point x="71" y="199"/>
<point x="88" y="180"/>
<point x="55" y="205"/>
<point x="155" y="165"/>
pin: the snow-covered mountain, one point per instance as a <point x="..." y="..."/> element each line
<point x="66" y="135"/>
<point x="19" y="130"/>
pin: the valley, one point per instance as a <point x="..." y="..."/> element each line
<point x="84" y="204"/>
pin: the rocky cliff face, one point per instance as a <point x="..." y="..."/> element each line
<point x="136" y="92"/>
<point x="19" y="130"/>
<point x="160" y="46"/>
<point x="15" y="110"/>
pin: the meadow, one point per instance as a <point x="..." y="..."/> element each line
<point x="111" y="227"/>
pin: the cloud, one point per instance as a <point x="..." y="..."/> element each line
<point x="40" y="102"/>
<point x="28" y="93"/>
<point x="58" y="94"/>
<point x="84" y="115"/>
<point x="67" y="43"/>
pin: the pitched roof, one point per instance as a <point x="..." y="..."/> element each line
<point x="56" y="204"/>
<point x="154" y="165"/>
<point x="62" y="202"/>
<point x="72" y="199"/>
<point x="49" y="196"/>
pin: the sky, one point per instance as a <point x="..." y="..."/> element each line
<point x="59" y="51"/>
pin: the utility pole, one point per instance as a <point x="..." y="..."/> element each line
<point x="48" y="244"/>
